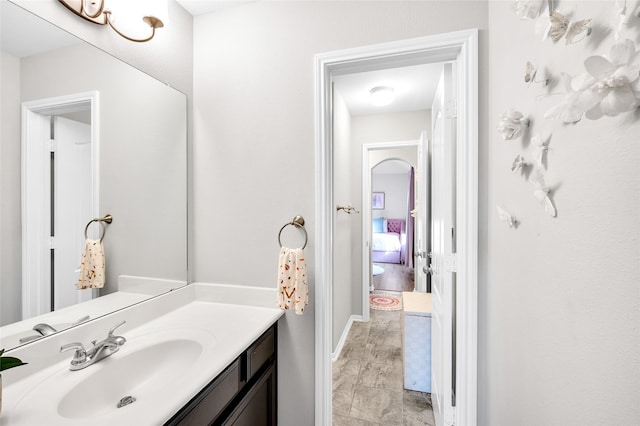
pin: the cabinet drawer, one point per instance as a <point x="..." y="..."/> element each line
<point x="214" y="398"/>
<point x="261" y="352"/>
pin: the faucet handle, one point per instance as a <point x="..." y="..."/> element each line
<point x="116" y="326"/>
<point x="80" y="356"/>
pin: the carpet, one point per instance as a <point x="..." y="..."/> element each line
<point x="381" y="301"/>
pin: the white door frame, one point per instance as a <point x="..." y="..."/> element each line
<point x="366" y="213"/>
<point x="461" y="46"/>
<point x="36" y="300"/>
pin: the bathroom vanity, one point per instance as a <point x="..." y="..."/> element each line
<point x="243" y="394"/>
<point x="201" y="354"/>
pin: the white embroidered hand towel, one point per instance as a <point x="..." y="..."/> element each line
<point x="92" y="265"/>
<point x="293" y="290"/>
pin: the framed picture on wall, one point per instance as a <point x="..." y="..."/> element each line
<point x="377" y="200"/>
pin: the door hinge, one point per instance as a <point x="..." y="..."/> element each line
<point x="450" y="109"/>
<point x="52" y="145"/>
<point x="52" y="243"/>
<point x="450" y="263"/>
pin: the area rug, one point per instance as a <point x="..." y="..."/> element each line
<point x="382" y="301"/>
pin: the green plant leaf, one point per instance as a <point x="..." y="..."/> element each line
<point x="7" y="362"/>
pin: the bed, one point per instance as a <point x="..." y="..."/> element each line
<point x="388" y="242"/>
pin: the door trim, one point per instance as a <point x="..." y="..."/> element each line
<point x="459" y="46"/>
<point x="366" y="212"/>
<point x="36" y="300"/>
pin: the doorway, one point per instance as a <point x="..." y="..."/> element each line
<point x="60" y="169"/>
<point x="461" y="48"/>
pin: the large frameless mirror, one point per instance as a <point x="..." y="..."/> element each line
<point x="84" y="135"/>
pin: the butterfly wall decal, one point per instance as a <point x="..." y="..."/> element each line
<point x="507" y="217"/>
<point x="518" y="164"/>
<point x="530" y="73"/>
<point x="527" y="9"/>
<point x="540" y="149"/>
<point x="559" y="25"/>
<point x="542" y="192"/>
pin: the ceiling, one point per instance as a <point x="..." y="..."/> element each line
<point x="414" y="88"/>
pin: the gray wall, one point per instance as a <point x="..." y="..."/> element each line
<point x="254" y="140"/>
<point x="10" y="232"/>
<point x="344" y="297"/>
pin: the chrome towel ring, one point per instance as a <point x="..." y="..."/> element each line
<point x="298" y="222"/>
<point x="107" y="219"/>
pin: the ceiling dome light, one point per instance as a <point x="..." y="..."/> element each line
<point x="381" y="95"/>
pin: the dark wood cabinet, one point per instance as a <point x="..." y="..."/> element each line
<point x="245" y="393"/>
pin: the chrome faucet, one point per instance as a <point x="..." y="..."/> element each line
<point x="43" y="329"/>
<point x="100" y="350"/>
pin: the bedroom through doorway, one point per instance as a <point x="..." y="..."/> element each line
<point x="392" y="205"/>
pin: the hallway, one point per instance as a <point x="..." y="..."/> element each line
<point x="368" y="376"/>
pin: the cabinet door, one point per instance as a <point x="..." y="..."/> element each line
<point x="258" y="407"/>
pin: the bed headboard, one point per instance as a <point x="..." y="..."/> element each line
<point x="395" y="225"/>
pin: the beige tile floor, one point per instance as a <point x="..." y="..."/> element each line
<point x="367" y="378"/>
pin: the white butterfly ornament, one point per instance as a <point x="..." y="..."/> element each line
<point x="530" y="75"/>
<point x="518" y="164"/>
<point x="507" y="217"/>
<point x="540" y="149"/>
<point x="560" y="25"/>
<point x="541" y="192"/>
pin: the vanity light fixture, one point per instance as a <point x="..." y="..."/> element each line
<point x="101" y="12"/>
<point x="381" y="95"/>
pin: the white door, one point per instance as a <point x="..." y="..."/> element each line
<point x="443" y="246"/>
<point x="421" y="232"/>
<point x="72" y="207"/>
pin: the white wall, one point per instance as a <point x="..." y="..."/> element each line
<point x="254" y="140"/>
<point x="396" y="192"/>
<point x="559" y="326"/>
<point x="342" y="262"/>
<point x="10" y="234"/>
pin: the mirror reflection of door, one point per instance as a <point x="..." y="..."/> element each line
<point x="58" y="203"/>
<point x="71" y="187"/>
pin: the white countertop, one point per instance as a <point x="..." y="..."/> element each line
<point x="223" y="330"/>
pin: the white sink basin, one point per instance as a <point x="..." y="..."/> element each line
<point x="142" y="367"/>
<point x="165" y="362"/>
<point x="138" y="373"/>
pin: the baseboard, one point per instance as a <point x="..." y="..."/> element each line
<point x="343" y="337"/>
